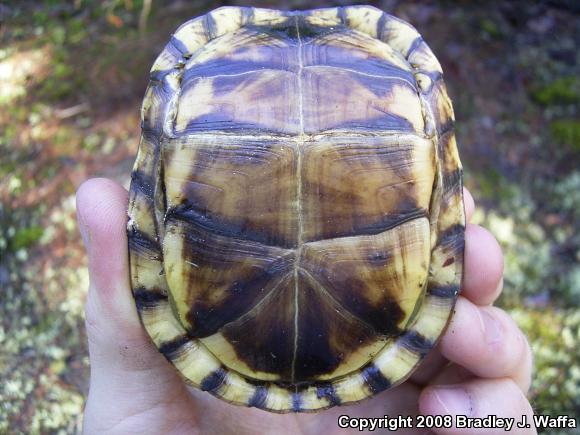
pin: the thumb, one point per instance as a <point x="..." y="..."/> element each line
<point x="124" y="361"/>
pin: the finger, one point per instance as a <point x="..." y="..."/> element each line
<point x="102" y="216"/>
<point x="488" y="343"/>
<point x="468" y="203"/>
<point x="478" y="398"/>
<point x="127" y="373"/>
<point x="433" y="363"/>
<point x="482" y="282"/>
<point x="452" y="374"/>
<point x="118" y="344"/>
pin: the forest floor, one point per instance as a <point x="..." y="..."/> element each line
<point x="72" y="76"/>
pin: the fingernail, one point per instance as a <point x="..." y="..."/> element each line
<point x="492" y="328"/>
<point x="454" y="400"/>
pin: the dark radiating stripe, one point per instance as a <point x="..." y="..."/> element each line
<point x="416" y="343"/>
<point x="296" y="402"/>
<point x="207" y="317"/>
<point x="381" y="26"/>
<point x="161" y="93"/>
<point x="143" y="245"/>
<point x="209" y="26"/>
<point x="453" y="179"/>
<point x="444" y="291"/>
<point x="435" y="76"/>
<point x="375" y="379"/>
<point x="213" y="381"/>
<point x="371" y="66"/>
<point x="170" y="349"/>
<point x="247" y="15"/>
<point x="342" y="15"/>
<point x="148" y="298"/>
<point x="452" y="240"/>
<point x="414" y="45"/>
<point x="143" y="183"/>
<point x="204" y="221"/>
<point x="157" y="76"/>
<point x="328" y="392"/>
<point x="178" y="46"/>
<point x="446" y="127"/>
<point x="388" y="222"/>
<point x="258" y="399"/>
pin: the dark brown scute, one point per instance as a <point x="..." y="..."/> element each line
<point x="148" y="298"/>
<point x="171" y="349"/>
<point x="258" y="171"/>
<point x="346" y="288"/>
<point x="207" y="319"/>
<point x="327" y="333"/>
<point x="270" y="347"/>
<point x="325" y="339"/>
<point x="375" y="380"/>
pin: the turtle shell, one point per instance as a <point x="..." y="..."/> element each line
<point x="296" y="224"/>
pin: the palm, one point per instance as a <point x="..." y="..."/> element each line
<point x="135" y="390"/>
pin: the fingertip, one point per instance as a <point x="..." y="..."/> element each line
<point x="483" y="266"/>
<point x="468" y="203"/>
<point x="98" y="200"/>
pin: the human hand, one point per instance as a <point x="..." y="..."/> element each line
<point x="482" y="365"/>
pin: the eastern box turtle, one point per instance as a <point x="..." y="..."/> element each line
<point x="296" y="224"/>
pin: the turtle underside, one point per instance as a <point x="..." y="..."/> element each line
<point x="296" y="219"/>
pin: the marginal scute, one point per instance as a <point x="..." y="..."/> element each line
<point x="266" y="198"/>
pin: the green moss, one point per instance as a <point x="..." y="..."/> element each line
<point x="490" y="28"/>
<point x="25" y="237"/>
<point x="554" y="337"/>
<point x="565" y="90"/>
<point x="566" y="132"/>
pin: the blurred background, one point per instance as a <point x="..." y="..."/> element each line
<point x="72" y="75"/>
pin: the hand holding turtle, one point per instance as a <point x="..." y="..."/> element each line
<point x="482" y="365"/>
